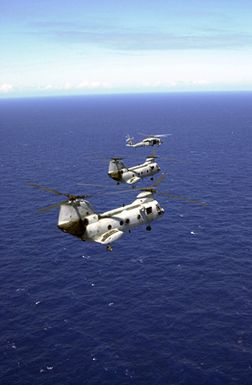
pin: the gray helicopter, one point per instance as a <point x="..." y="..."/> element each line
<point x="78" y="218"/>
<point x="131" y="175"/>
<point x="151" y="140"/>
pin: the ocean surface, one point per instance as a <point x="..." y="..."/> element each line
<point x="167" y="307"/>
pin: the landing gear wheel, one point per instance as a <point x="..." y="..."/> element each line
<point x="148" y="228"/>
<point x="109" y="248"/>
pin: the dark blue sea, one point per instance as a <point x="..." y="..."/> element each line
<point x="168" y="307"/>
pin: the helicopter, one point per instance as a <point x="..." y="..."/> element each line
<point x="78" y="218"/>
<point x="131" y="175"/>
<point x="151" y="140"/>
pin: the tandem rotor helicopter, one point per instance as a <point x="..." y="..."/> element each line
<point x="151" y="140"/>
<point x="78" y="218"/>
<point x="131" y="175"/>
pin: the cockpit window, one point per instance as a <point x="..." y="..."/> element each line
<point x="149" y="210"/>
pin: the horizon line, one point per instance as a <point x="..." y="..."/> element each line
<point x="124" y="93"/>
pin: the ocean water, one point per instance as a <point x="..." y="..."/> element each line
<point x="170" y="306"/>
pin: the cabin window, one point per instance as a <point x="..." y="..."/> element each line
<point x="121" y="223"/>
<point x="152" y="167"/>
<point x="127" y="221"/>
<point x="139" y="216"/>
<point x="149" y="210"/>
<point x="147" y="170"/>
<point x="109" y="227"/>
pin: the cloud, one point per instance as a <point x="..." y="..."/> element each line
<point x="175" y="84"/>
<point x="6" y="87"/>
<point x="93" y="85"/>
<point x="76" y="86"/>
<point x="126" y="38"/>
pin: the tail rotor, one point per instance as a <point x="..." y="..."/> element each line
<point x="129" y="140"/>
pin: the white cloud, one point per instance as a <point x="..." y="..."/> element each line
<point x="67" y="86"/>
<point x="48" y="87"/>
<point x="84" y="85"/>
<point x="93" y="84"/>
<point x="6" y="87"/>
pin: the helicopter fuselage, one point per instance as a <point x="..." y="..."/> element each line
<point x="132" y="175"/>
<point x="78" y="219"/>
<point x="146" y="142"/>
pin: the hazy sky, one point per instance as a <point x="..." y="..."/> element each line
<point x="53" y="47"/>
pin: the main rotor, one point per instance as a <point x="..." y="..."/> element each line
<point x="71" y="197"/>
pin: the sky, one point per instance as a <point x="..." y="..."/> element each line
<point x="56" y="47"/>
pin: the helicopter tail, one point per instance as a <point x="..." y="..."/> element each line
<point x="129" y="140"/>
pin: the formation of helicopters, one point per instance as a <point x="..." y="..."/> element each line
<point x="78" y="218"/>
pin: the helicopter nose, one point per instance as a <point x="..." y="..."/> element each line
<point x="67" y="217"/>
<point x="71" y="227"/>
<point x="63" y="225"/>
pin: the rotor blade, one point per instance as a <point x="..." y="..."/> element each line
<point x="171" y="159"/>
<point x="162" y="135"/>
<point x="106" y="189"/>
<point x="45" y="188"/>
<point x="145" y="134"/>
<point x="93" y="185"/>
<point x="158" y="180"/>
<point x="152" y="155"/>
<point x="56" y="192"/>
<point x="74" y="197"/>
<point x="50" y="207"/>
<point x="154" y="135"/>
<point x="116" y="158"/>
<point x="182" y="198"/>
